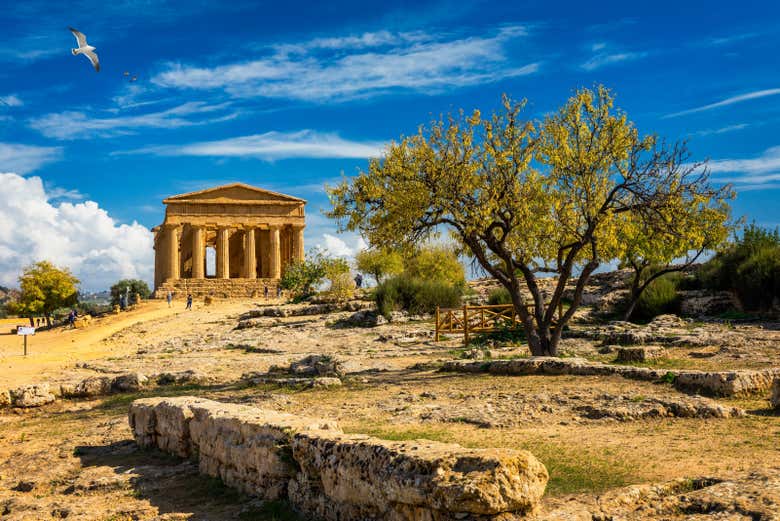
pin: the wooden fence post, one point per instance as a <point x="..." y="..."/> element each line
<point x="436" y="336"/>
<point x="465" y="324"/>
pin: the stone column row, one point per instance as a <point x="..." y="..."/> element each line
<point x="171" y="257"/>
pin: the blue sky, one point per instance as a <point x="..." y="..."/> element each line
<point x="289" y="95"/>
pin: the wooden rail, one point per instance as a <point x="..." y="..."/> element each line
<point x="479" y="319"/>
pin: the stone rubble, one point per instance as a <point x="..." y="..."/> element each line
<point x="334" y="476"/>
<point x="717" y="383"/>
<point x="640" y="353"/>
<point x="30" y="396"/>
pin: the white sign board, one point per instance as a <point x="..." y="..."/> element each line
<point x="25" y="330"/>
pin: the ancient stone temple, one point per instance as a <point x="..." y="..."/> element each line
<point x="253" y="234"/>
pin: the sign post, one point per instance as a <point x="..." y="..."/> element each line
<point x="25" y="331"/>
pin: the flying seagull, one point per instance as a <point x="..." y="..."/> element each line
<point x="85" y="49"/>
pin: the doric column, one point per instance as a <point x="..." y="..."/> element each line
<point x="250" y="261"/>
<point x="171" y="253"/>
<point x="275" y="255"/>
<point x="223" y="253"/>
<point x="198" y="252"/>
<point x="297" y="249"/>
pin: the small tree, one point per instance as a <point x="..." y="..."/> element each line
<point x="525" y="198"/>
<point x="44" y="289"/>
<point x="685" y="233"/>
<point x="435" y="262"/>
<point x="133" y="285"/>
<point x="379" y="263"/>
<point x="303" y="276"/>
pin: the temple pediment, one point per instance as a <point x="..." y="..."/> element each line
<point x="238" y="193"/>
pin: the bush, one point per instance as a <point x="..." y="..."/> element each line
<point x="417" y="296"/>
<point x="135" y="285"/>
<point x="748" y="267"/>
<point x="342" y="287"/>
<point x="757" y="280"/>
<point x="499" y="296"/>
<point x="658" y="298"/>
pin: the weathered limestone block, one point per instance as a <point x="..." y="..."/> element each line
<point x="128" y="383"/>
<point x="328" y="475"/>
<point x="640" y="353"/>
<point x="31" y="396"/>
<point x="5" y="398"/>
<point x="188" y="376"/>
<point x="248" y="448"/>
<point x="726" y="383"/>
<point x="774" y="400"/>
<point x="359" y="477"/>
<point x="164" y="423"/>
<point x="92" y="386"/>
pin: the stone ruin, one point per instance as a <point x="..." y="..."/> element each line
<point x="326" y="474"/>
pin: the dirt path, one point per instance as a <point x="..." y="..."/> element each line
<point x="50" y="351"/>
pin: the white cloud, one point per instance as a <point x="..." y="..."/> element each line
<point x="721" y="130"/>
<point x="728" y="101"/>
<point x="273" y="145"/>
<point x="77" y="125"/>
<point x="602" y="59"/>
<point x="82" y="237"/>
<point x="342" y="68"/>
<point x="766" y="163"/>
<point x="11" y="100"/>
<point x="26" y="158"/>
<point x="339" y="247"/>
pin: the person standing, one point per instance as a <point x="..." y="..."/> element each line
<point x="169" y="298"/>
<point x="265" y="292"/>
<point x="189" y="301"/>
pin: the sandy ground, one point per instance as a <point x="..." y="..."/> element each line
<point x="75" y="458"/>
<point x="50" y="352"/>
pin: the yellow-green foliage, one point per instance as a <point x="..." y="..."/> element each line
<point x="435" y="262"/>
<point x="45" y="288"/>
<point x="342" y="286"/>
<point x="380" y="262"/>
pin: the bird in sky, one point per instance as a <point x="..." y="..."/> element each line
<point x="85" y="49"/>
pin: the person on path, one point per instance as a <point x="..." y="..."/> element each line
<point x="189" y="301"/>
<point x="169" y="298"/>
<point x="358" y="280"/>
<point x="265" y="292"/>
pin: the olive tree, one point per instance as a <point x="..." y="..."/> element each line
<point x="525" y="198"/>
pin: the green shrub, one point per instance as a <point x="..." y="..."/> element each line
<point x="749" y="266"/>
<point x="131" y="287"/>
<point x="658" y="298"/>
<point x="415" y="295"/>
<point x="499" y="296"/>
<point x="757" y="279"/>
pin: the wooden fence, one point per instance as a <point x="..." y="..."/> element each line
<point x="479" y="319"/>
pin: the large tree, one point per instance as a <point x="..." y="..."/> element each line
<point x="525" y="198"/>
<point x="44" y="289"/>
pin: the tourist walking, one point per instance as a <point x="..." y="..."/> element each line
<point x="189" y="301"/>
<point x="169" y="298"/>
<point x="72" y="318"/>
<point x="265" y="292"/>
<point x="358" y="280"/>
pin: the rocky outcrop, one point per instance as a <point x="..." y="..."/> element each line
<point x="329" y="475"/>
<point x="104" y="385"/>
<point x="717" y="383"/>
<point x="30" y="396"/>
<point x="754" y="496"/>
<point x="640" y="353"/>
<point x="311" y="309"/>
